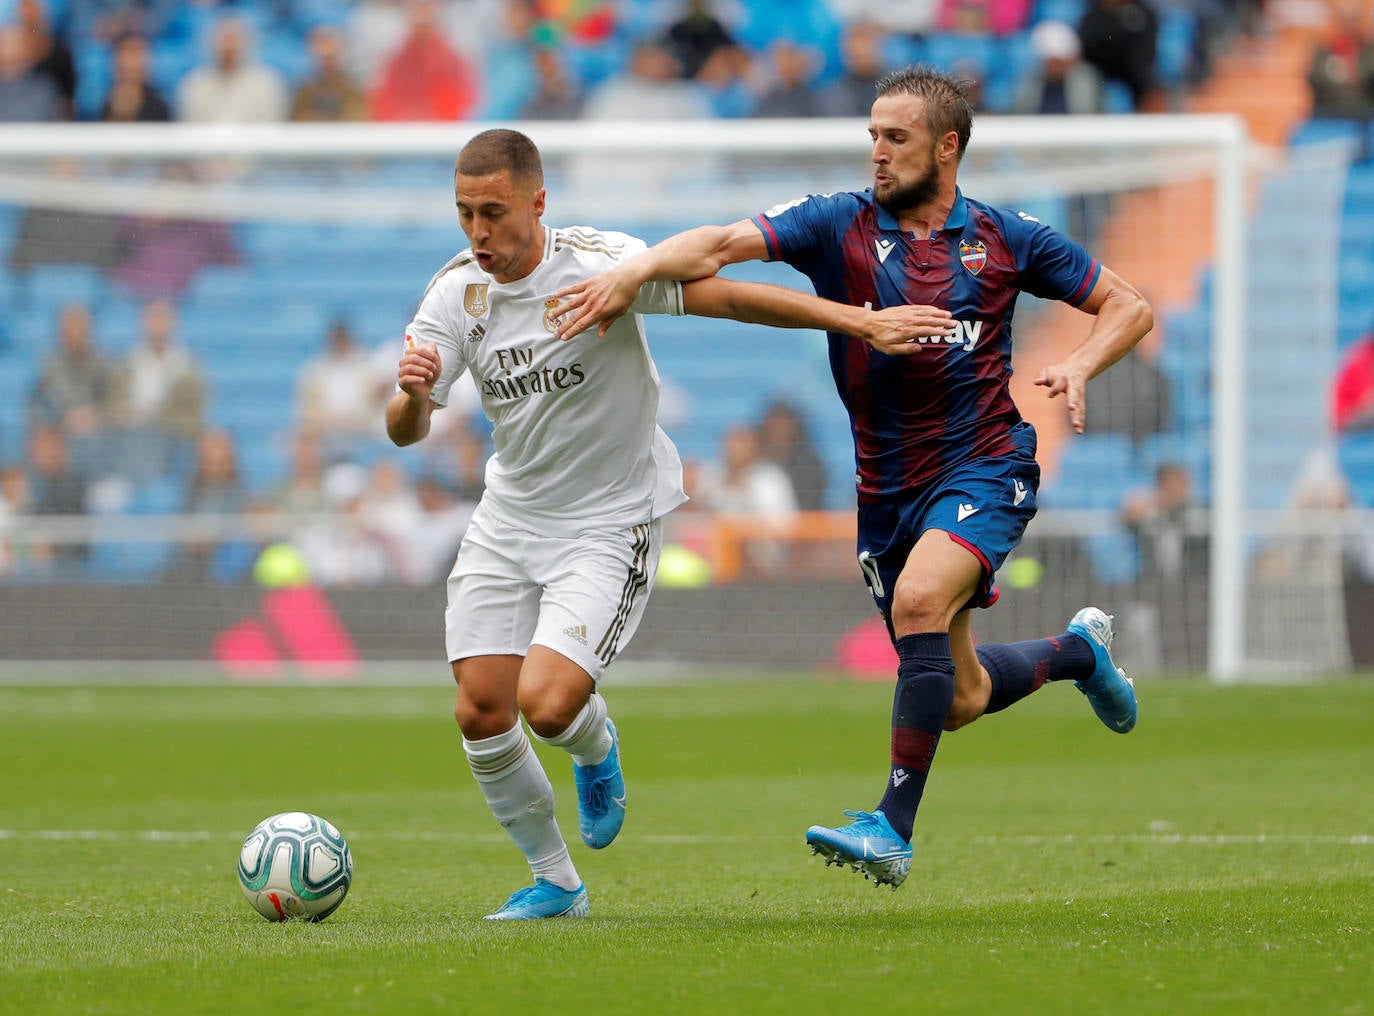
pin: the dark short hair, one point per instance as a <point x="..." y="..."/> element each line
<point x="946" y="99"/>
<point x="498" y="151"/>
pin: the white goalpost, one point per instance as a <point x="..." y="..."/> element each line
<point x="348" y="221"/>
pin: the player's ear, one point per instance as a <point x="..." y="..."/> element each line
<point x="538" y="203"/>
<point x="949" y="147"/>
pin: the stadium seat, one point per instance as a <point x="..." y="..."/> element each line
<point x="1095" y="471"/>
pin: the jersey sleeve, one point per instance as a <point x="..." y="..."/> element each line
<point x="435" y="322"/>
<point x="1051" y="265"/>
<point x="653" y="297"/>
<point x="795" y="230"/>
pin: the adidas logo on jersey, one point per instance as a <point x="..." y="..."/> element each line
<point x="576" y="632"/>
<point x="478" y="330"/>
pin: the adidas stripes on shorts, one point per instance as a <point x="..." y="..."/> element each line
<point x="582" y="596"/>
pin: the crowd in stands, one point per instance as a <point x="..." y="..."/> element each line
<point x="400" y="60"/>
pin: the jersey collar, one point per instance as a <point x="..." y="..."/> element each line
<point x="958" y="215"/>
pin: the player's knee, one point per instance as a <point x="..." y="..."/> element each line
<point x="480" y="718"/>
<point x="918" y="606"/>
<point x="552" y="709"/>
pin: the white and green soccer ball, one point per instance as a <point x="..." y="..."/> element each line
<point x="295" y="865"/>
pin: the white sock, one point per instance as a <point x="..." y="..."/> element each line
<point x="520" y="796"/>
<point x="587" y="740"/>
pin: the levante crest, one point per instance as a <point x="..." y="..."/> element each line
<point x="973" y="254"/>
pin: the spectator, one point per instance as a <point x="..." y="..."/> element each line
<point x="1120" y="38"/>
<point x="792" y="93"/>
<point x="73" y="388"/>
<point x="1341" y="73"/>
<point x="303" y="492"/>
<point x="215" y="489"/>
<point x="556" y="95"/>
<point x="159" y="398"/>
<point x="132" y="98"/>
<point x="337" y="397"/>
<point x="25" y="96"/>
<point x="329" y="94"/>
<point x="1158" y="518"/>
<point x="1000" y="17"/>
<point x="1173" y="565"/>
<point x="48" y="55"/>
<point x="57" y="490"/>
<point x="910" y="18"/>
<point x="1061" y="81"/>
<point x="785" y="441"/>
<point x="862" y="64"/>
<point x="426" y="78"/>
<point x="726" y="79"/>
<point x="696" y="36"/>
<point x="746" y="484"/>
<point x="342" y="548"/>
<point x="233" y="88"/>
<point x="1352" y="398"/>
<point x="434" y="543"/>
<point x="649" y="89"/>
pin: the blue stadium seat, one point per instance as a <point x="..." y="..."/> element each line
<point x="53" y="285"/>
<point x="1174" y="48"/>
<point x="1095" y="471"/>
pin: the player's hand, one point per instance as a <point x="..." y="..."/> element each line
<point x="418" y="371"/>
<point x="1072" y="382"/>
<point x="598" y="301"/>
<point x="896" y="331"/>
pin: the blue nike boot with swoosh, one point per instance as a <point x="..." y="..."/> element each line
<point x="868" y="844"/>
<point x="1110" y="692"/>
<point x="601" y="796"/>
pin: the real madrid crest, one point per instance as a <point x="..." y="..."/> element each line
<point x="973" y="254"/>
<point x="475" y="298"/>
<point x="551" y="319"/>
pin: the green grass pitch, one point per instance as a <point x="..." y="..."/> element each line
<point x="1220" y="859"/>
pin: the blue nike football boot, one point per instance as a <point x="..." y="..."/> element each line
<point x="868" y="844"/>
<point x="1110" y="692"/>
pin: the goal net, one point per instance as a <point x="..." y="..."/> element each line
<point x="208" y="482"/>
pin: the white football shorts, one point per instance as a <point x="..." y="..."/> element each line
<point x="582" y="597"/>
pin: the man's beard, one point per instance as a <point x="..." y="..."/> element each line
<point x="903" y="197"/>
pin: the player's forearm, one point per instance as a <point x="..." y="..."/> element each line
<point x="762" y="304"/>
<point x="407" y="419"/>
<point x="1122" y="321"/>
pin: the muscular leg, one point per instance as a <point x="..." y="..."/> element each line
<point x="939" y="577"/>
<point x="505" y="766"/>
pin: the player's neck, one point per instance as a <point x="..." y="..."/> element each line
<point x="925" y="219"/>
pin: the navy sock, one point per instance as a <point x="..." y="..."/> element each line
<point x="1019" y="668"/>
<point x="920" y="706"/>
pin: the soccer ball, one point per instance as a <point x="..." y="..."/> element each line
<point x="295" y="865"/>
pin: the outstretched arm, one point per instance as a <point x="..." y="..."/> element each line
<point x="694" y="254"/>
<point x="1123" y="318"/>
<point x="893" y="331"/>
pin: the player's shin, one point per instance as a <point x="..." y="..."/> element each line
<point x="920" y="706"/>
<point x="1016" y="669"/>
<point x="518" y="792"/>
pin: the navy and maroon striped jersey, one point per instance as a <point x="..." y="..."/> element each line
<point x="916" y="416"/>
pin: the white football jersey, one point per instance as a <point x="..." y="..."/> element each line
<point x="574" y="423"/>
